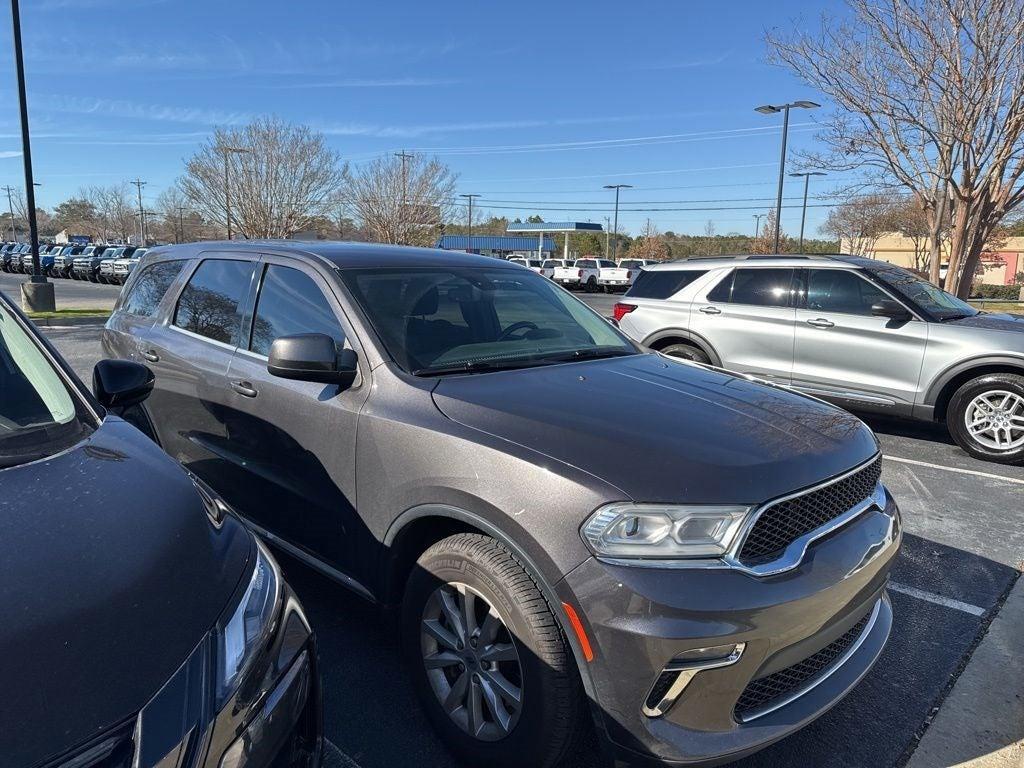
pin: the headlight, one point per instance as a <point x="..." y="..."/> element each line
<point x="663" y="531"/>
<point x="245" y="631"/>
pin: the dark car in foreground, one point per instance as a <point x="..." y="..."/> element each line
<point x="567" y="524"/>
<point x="143" y="625"/>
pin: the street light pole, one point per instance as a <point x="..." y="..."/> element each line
<point x="10" y="204"/>
<point x="139" y="184"/>
<point x="181" y="224"/>
<point x="615" y="231"/>
<point x="770" y="109"/>
<point x="470" y="197"/>
<point x="757" y="224"/>
<point x="803" y="216"/>
<point x="227" y="151"/>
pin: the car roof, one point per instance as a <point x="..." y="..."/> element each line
<point x="343" y="255"/>
<point x="763" y="260"/>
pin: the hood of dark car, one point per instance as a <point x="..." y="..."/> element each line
<point x="112" y="575"/>
<point x="997" y="321"/>
<point x="662" y="430"/>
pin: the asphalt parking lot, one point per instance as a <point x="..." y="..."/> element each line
<point x="962" y="552"/>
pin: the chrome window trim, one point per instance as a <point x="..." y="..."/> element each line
<point x="793" y="554"/>
<point x="815" y="682"/>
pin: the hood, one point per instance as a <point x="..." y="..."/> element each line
<point x="661" y="430"/>
<point x="112" y="575"/>
<point x="997" y="321"/>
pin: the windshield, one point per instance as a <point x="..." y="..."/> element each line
<point x="39" y="415"/>
<point x="456" y="320"/>
<point x="930" y="298"/>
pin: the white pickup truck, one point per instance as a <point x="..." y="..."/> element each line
<point x="550" y="265"/>
<point x="583" y="274"/>
<point x="533" y="264"/>
<point x="621" y="276"/>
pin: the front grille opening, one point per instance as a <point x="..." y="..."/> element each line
<point x="768" y="690"/>
<point x="780" y="525"/>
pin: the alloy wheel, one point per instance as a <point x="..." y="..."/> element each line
<point x="471" y="662"/>
<point x="995" y="420"/>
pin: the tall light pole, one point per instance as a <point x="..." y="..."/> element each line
<point x="181" y="224"/>
<point x="771" y="109"/>
<point x="37" y="294"/>
<point x="757" y="224"/>
<point x="470" y="197"/>
<point x="607" y="233"/>
<point x="615" y="231"/>
<point x="405" y="157"/>
<point x="10" y="206"/>
<point x="227" y="152"/>
<point x="803" y="216"/>
<point x="139" y="184"/>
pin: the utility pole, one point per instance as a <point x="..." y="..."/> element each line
<point x="615" y="239"/>
<point x="470" y="197"/>
<point x="227" y="152"/>
<point x="10" y="204"/>
<point x="770" y="109"/>
<point x="37" y="294"/>
<point x="405" y="157"/>
<point x="607" y="233"/>
<point x="139" y="184"/>
<point x="757" y="224"/>
<point x="181" y="224"/>
<point x="803" y="216"/>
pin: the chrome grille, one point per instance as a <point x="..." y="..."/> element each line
<point x="766" y="690"/>
<point x="781" y="524"/>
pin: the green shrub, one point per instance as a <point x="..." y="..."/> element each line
<point x="1007" y="292"/>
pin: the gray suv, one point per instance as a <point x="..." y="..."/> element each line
<point x="566" y="523"/>
<point x="866" y="334"/>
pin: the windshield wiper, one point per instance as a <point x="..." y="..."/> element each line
<point x="475" y="366"/>
<point x="592" y="353"/>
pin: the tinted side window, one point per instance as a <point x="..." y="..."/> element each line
<point x="757" y="287"/>
<point x="150" y="287"/>
<point x="209" y="304"/>
<point x="663" y="284"/>
<point x="291" y="302"/>
<point x="840" y="290"/>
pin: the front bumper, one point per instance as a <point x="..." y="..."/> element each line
<point x="644" y="620"/>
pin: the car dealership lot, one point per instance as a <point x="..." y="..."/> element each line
<point x="961" y="552"/>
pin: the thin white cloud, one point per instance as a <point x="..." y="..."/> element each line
<point x="65" y="5"/>
<point x="398" y="82"/>
<point x="707" y="61"/>
<point x="6" y="154"/>
<point x="85" y="105"/>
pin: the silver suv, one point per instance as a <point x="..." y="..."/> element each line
<point x="864" y="333"/>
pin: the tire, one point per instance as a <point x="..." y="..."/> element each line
<point x="687" y="352"/>
<point x="999" y="394"/>
<point x="591" y="286"/>
<point x="476" y="569"/>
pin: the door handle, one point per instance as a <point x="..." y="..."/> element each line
<point x="821" y="323"/>
<point x="151" y="356"/>
<point x="710" y="310"/>
<point x="244" y="388"/>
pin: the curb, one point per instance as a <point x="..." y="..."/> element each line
<point x="981" y="722"/>
<point x="61" y="322"/>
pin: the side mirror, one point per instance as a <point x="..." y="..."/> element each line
<point x="891" y="309"/>
<point x="312" y="357"/>
<point x="121" y="383"/>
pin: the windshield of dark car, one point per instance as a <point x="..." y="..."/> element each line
<point x="450" y="319"/>
<point x="630" y="264"/>
<point x="39" y="414"/>
<point x="927" y="296"/>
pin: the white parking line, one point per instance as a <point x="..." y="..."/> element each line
<point x="1004" y="478"/>
<point x="931" y="597"/>
<point x="335" y="758"/>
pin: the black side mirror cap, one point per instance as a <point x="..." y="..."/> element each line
<point x="312" y="357"/>
<point x="121" y="383"/>
<point x="891" y="309"/>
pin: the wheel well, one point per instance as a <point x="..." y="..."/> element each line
<point x="412" y="541"/>
<point x="951" y="386"/>
<point x="668" y="341"/>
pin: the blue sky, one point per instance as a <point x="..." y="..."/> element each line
<point x="535" y="105"/>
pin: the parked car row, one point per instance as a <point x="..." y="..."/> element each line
<point x="95" y="263"/>
<point x="567" y="525"/>
<point x="592" y="274"/>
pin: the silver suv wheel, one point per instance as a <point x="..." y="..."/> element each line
<point x="995" y="420"/>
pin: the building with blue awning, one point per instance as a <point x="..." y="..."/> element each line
<point x="498" y="246"/>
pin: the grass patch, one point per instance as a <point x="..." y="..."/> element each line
<point x="999" y="306"/>
<point x="69" y="313"/>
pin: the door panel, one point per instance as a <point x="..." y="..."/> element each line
<point x="842" y="350"/>
<point x="748" y="337"/>
<point x="295" y="439"/>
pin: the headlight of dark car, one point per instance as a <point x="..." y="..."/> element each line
<point x="244" y="631"/>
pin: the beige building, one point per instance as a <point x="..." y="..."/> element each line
<point x="1001" y="267"/>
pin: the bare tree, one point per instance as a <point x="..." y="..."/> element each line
<point x="282" y="179"/>
<point x="859" y="222"/>
<point x="765" y="241"/>
<point x="117" y="212"/>
<point x="709" y="237"/>
<point x="402" y="200"/>
<point x="649" y="244"/>
<point x="931" y="93"/>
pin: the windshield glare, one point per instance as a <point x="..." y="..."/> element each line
<point x="436" y="319"/>
<point x="930" y="298"/>
<point x="39" y="415"/>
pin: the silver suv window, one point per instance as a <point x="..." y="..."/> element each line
<point x="841" y="290"/>
<point x="765" y="287"/>
<point x="663" y="284"/>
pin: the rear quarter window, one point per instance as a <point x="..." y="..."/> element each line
<point x="663" y="284"/>
<point x="149" y="288"/>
